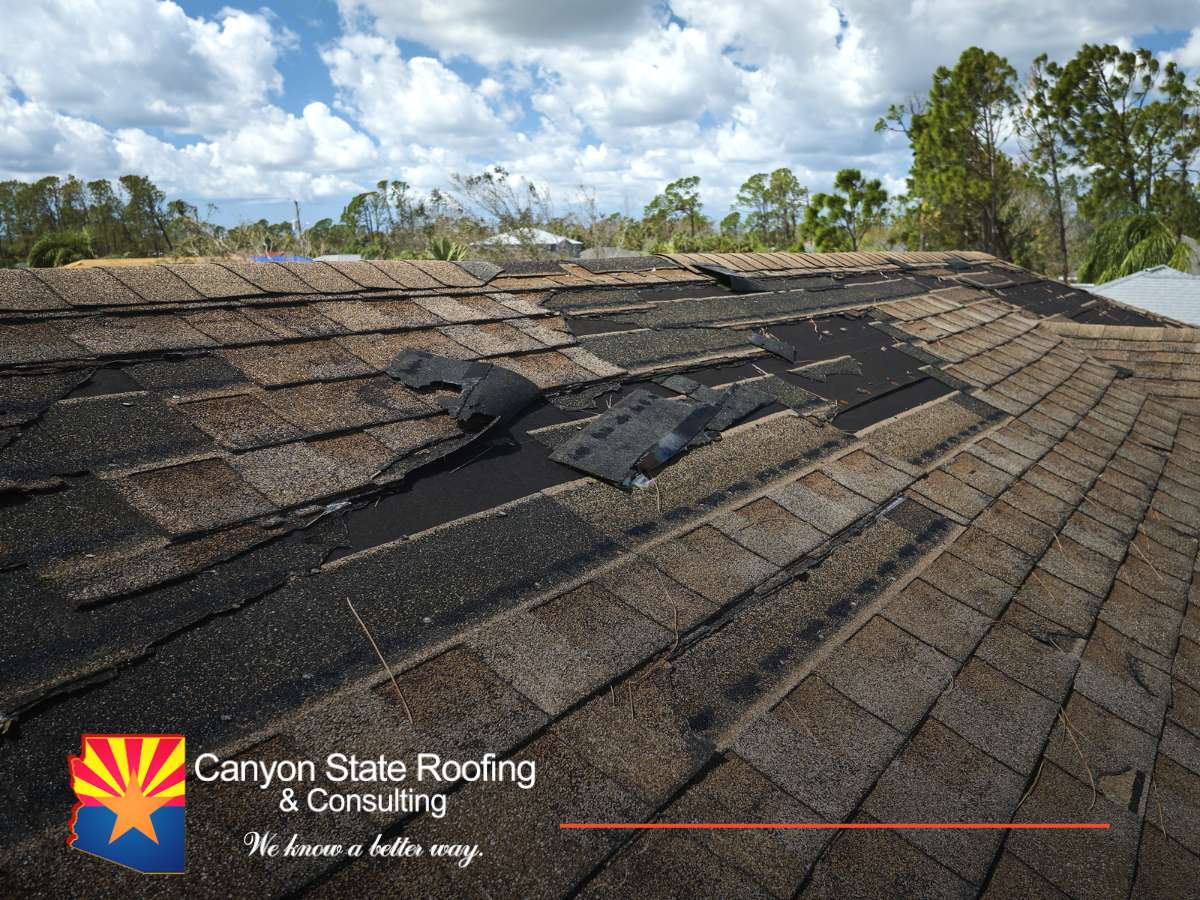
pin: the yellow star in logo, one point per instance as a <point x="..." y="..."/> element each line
<point x="133" y="809"/>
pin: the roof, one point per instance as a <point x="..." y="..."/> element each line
<point x="1160" y="290"/>
<point x="1162" y="361"/>
<point x="944" y="571"/>
<point x="530" y="236"/>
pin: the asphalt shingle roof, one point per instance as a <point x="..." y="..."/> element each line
<point x="953" y="580"/>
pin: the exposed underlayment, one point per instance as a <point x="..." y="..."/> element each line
<point x="937" y="562"/>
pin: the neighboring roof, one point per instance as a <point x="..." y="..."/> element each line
<point x="530" y="236"/>
<point x="946" y="573"/>
<point x="1160" y="290"/>
<point x="607" y="253"/>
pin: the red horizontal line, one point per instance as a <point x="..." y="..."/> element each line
<point x="841" y="825"/>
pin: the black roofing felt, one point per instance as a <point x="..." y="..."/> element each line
<point x="1047" y="298"/>
<point x="885" y="405"/>
<point x="504" y="465"/>
<point x="600" y="324"/>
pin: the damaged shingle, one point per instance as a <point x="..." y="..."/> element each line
<point x="839" y="365"/>
<point x="644" y="432"/>
<point x="640" y="433"/>
<point x="760" y="337"/>
<point x="487" y="392"/>
<point x="735" y="282"/>
<point x="482" y="269"/>
<point x="585" y="397"/>
<point x="736" y="401"/>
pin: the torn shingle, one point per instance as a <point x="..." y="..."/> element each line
<point x="760" y="337"/>
<point x="737" y="401"/>
<point x="638" y="435"/>
<point x="487" y="392"/>
<point x="735" y="281"/>
<point x="820" y="371"/>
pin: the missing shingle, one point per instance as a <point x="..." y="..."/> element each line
<point x="103" y="381"/>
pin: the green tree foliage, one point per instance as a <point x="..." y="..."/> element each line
<point x="959" y="165"/>
<point x="1128" y="244"/>
<point x="59" y="249"/>
<point x="145" y="214"/>
<point x="1089" y="162"/>
<point x="679" y="201"/>
<point x="838" y="220"/>
<point x="444" y="248"/>
<point x="1042" y="125"/>
<point x="1131" y="121"/>
<point x="775" y="203"/>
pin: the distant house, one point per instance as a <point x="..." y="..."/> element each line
<point x="608" y="253"/>
<point x="535" y="238"/>
<point x="1160" y="290"/>
<point x="273" y="256"/>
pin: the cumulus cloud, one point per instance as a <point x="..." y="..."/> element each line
<point x="140" y="63"/>
<point x="1188" y="55"/>
<point x="495" y="32"/>
<point x="35" y="139"/>
<point x="91" y="100"/>
<point x="401" y="100"/>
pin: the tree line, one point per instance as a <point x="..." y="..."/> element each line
<point x="1083" y="168"/>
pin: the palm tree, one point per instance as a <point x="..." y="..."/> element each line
<point x="444" y="248"/>
<point x="1131" y="243"/>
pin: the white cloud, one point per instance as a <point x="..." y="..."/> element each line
<point x="35" y="139"/>
<point x="496" y="31"/>
<point x="78" y="97"/>
<point x="417" y="99"/>
<point x="140" y="63"/>
<point x="317" y="140"/>
<point x="1188" y="55"/>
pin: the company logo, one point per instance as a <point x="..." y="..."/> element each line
<point x="131" y="802"/>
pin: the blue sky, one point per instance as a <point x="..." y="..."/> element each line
<point x="248" y="107"/>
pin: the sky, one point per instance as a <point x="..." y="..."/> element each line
<point x="250" y="107"/>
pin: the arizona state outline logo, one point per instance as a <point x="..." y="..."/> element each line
<point x="131" y="800"/>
